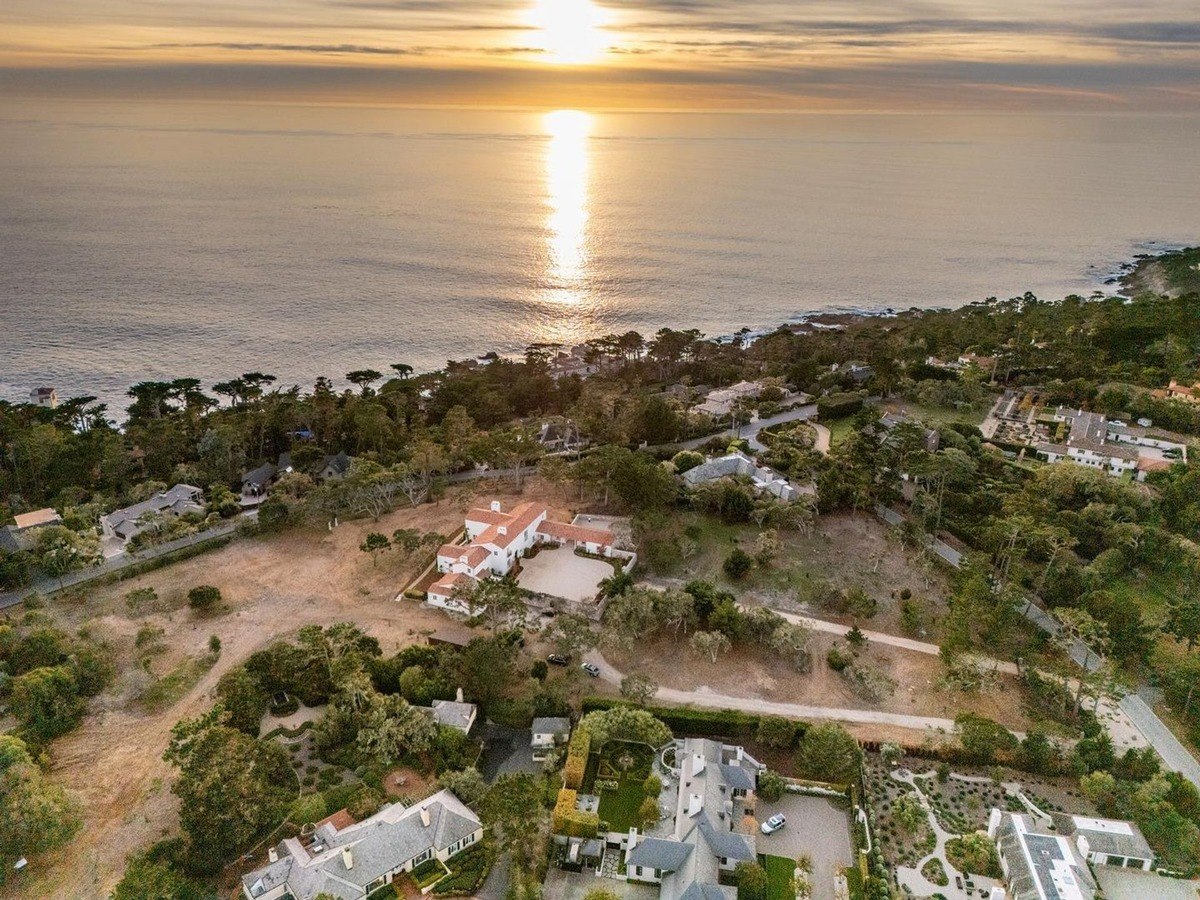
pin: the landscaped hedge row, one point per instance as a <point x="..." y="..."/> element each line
<point x="467" y="871"/>
<point x="577" y="755"/>
<point x="572" y="822"/>
<point x="690" y="721"/>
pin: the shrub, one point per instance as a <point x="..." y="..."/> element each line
<point x="204" y="597"/>
<point x="539" y="670"/>
<point x="652" y="786"/>
<point x="838" y="406"/>
<point x="738" y="564"/>
<point x="838" y="658"/>
<point x="573" y="771"/>
<point x="771" y="785"/>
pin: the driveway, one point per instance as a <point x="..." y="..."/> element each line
<point x="562" y="885"/>
<point x="751" y="430"/>
<point x="557" y="571"/>
<point x="506" y="751"/>
<point x="816" y="827"/>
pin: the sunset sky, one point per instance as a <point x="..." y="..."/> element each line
<point x="724" y="54"/>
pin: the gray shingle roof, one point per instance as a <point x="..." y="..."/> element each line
<point x="1108" y="836"/>
<point x="737" y="777"/>
<point x="377" y="845"/>
<point x="551" y="725"/>
<point x="260" y="476"/>
<point x="659" y="853"/>
<point x="698" y="890"/>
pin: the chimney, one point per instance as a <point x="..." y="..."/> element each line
<point x="273" y="855"/>
<point x="495" y="506"/>
<point x="458" y="696"/>
<point x="347" y="858"/>
<point x="424" y="816"/>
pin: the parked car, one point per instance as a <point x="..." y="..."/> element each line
<point x="774" y="824"/>
<point x="591" y="669"/>
<point x="557" y="659"/>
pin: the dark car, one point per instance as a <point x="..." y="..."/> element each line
<point x="557" y="659"/>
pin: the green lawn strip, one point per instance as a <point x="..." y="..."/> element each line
<point x="619" y="808"/>
<point x="780" y="870"/>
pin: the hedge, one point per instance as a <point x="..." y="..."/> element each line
<point x="577" y="755"/>
<point x="838" y="406"/>
<point x="690" y="721"/>
<point x="570" y="821"/>
<point x="467" y="871"/>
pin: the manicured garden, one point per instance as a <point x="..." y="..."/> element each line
<point x="620" y="782"/>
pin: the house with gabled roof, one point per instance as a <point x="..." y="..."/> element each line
<point x="716" y="793"/>
<point x="124" y="524"/>
<point x="351" y="860"/>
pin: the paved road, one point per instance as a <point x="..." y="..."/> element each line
<point x="703" y="696"/>
<point x="121" y="561"/>
<point x="1174" y="754"/>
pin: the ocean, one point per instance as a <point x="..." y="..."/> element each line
<point x="155" y="241"/>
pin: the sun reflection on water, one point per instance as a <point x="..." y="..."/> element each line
<point x="567" y="200"/>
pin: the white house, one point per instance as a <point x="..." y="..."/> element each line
<point x="1112" y="447"/>
<point x="1038" y="864"/>
<point x="455" y="713"/>
<point x="45" y="397"/>
<point x="548" y="732"/>
<point x="496" y="540"/>
<point x="1106" y="842"/>
<point x="350" y="860"/>
<point x="721" y="401"/>
<point x="764" y="479"/>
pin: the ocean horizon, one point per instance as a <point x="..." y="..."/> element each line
<point x="155" y="241"/>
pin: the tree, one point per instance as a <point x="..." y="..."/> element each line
<point x="711" y="644"/>
<point x="624" y="723"/>
<point x="752" y="881"/>
<point x="771" y="785"/>
<point x="514" y="811"/>
<point x="830" y="753"/>
<point x="1183" y="621"/>
<point x="243" y="699"/>
<point x="909" y="814"/>
<point x="391" y="729"/>
<point x="571" y="634"/>
<point x="46" y="702"/>
<point x="466" y="784"/>
<point x="61" y="551"/>
<point x="639" y="689"/>
<point x="36" y="815"/>
<point x="375" y="543"/>
<point x="204" y="597"/>
<point x="856" y="639"/>
<point x="231" y="788"/>
<point x="601" y="893"/>
<point x="485" y="669"/>
<point x="738" y="564"/>
<point x="983" y="738"/>
<point x="147" y="878"/>
<point x="766" y="547"/>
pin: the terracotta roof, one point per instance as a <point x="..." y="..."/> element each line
<point x="521" y="518"/>
<point x="577" y="533"/>
<point x="488" y="516"/>
<point x="1148" y="464"/>
<point x="339" y="820"/>
<point x="35" y="518"/>
<point x="445" y="585"/>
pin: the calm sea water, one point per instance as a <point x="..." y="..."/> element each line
<point x="155" y="241"/>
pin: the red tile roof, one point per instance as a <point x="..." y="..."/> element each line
<point x="339" y="820"/>
<point x="577" y="533"/>
<point x="445" y="585"/>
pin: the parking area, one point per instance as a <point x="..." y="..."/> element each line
<point x="815" y="826"/>
<point x="557" y="571"/>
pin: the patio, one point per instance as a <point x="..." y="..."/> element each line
<point x="559" y="572"/>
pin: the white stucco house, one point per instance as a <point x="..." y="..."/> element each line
<point x="495" y="540"/>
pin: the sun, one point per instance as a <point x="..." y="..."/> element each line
<point x="570" y="31"/>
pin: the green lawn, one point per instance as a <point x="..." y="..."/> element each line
<point x="779" y="876"/>
<point x="619" y="808"/>
<point x="1151" y="591"/>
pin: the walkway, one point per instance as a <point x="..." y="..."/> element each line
<point x="705" y="697"/>
<point x="910" y="877"/>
